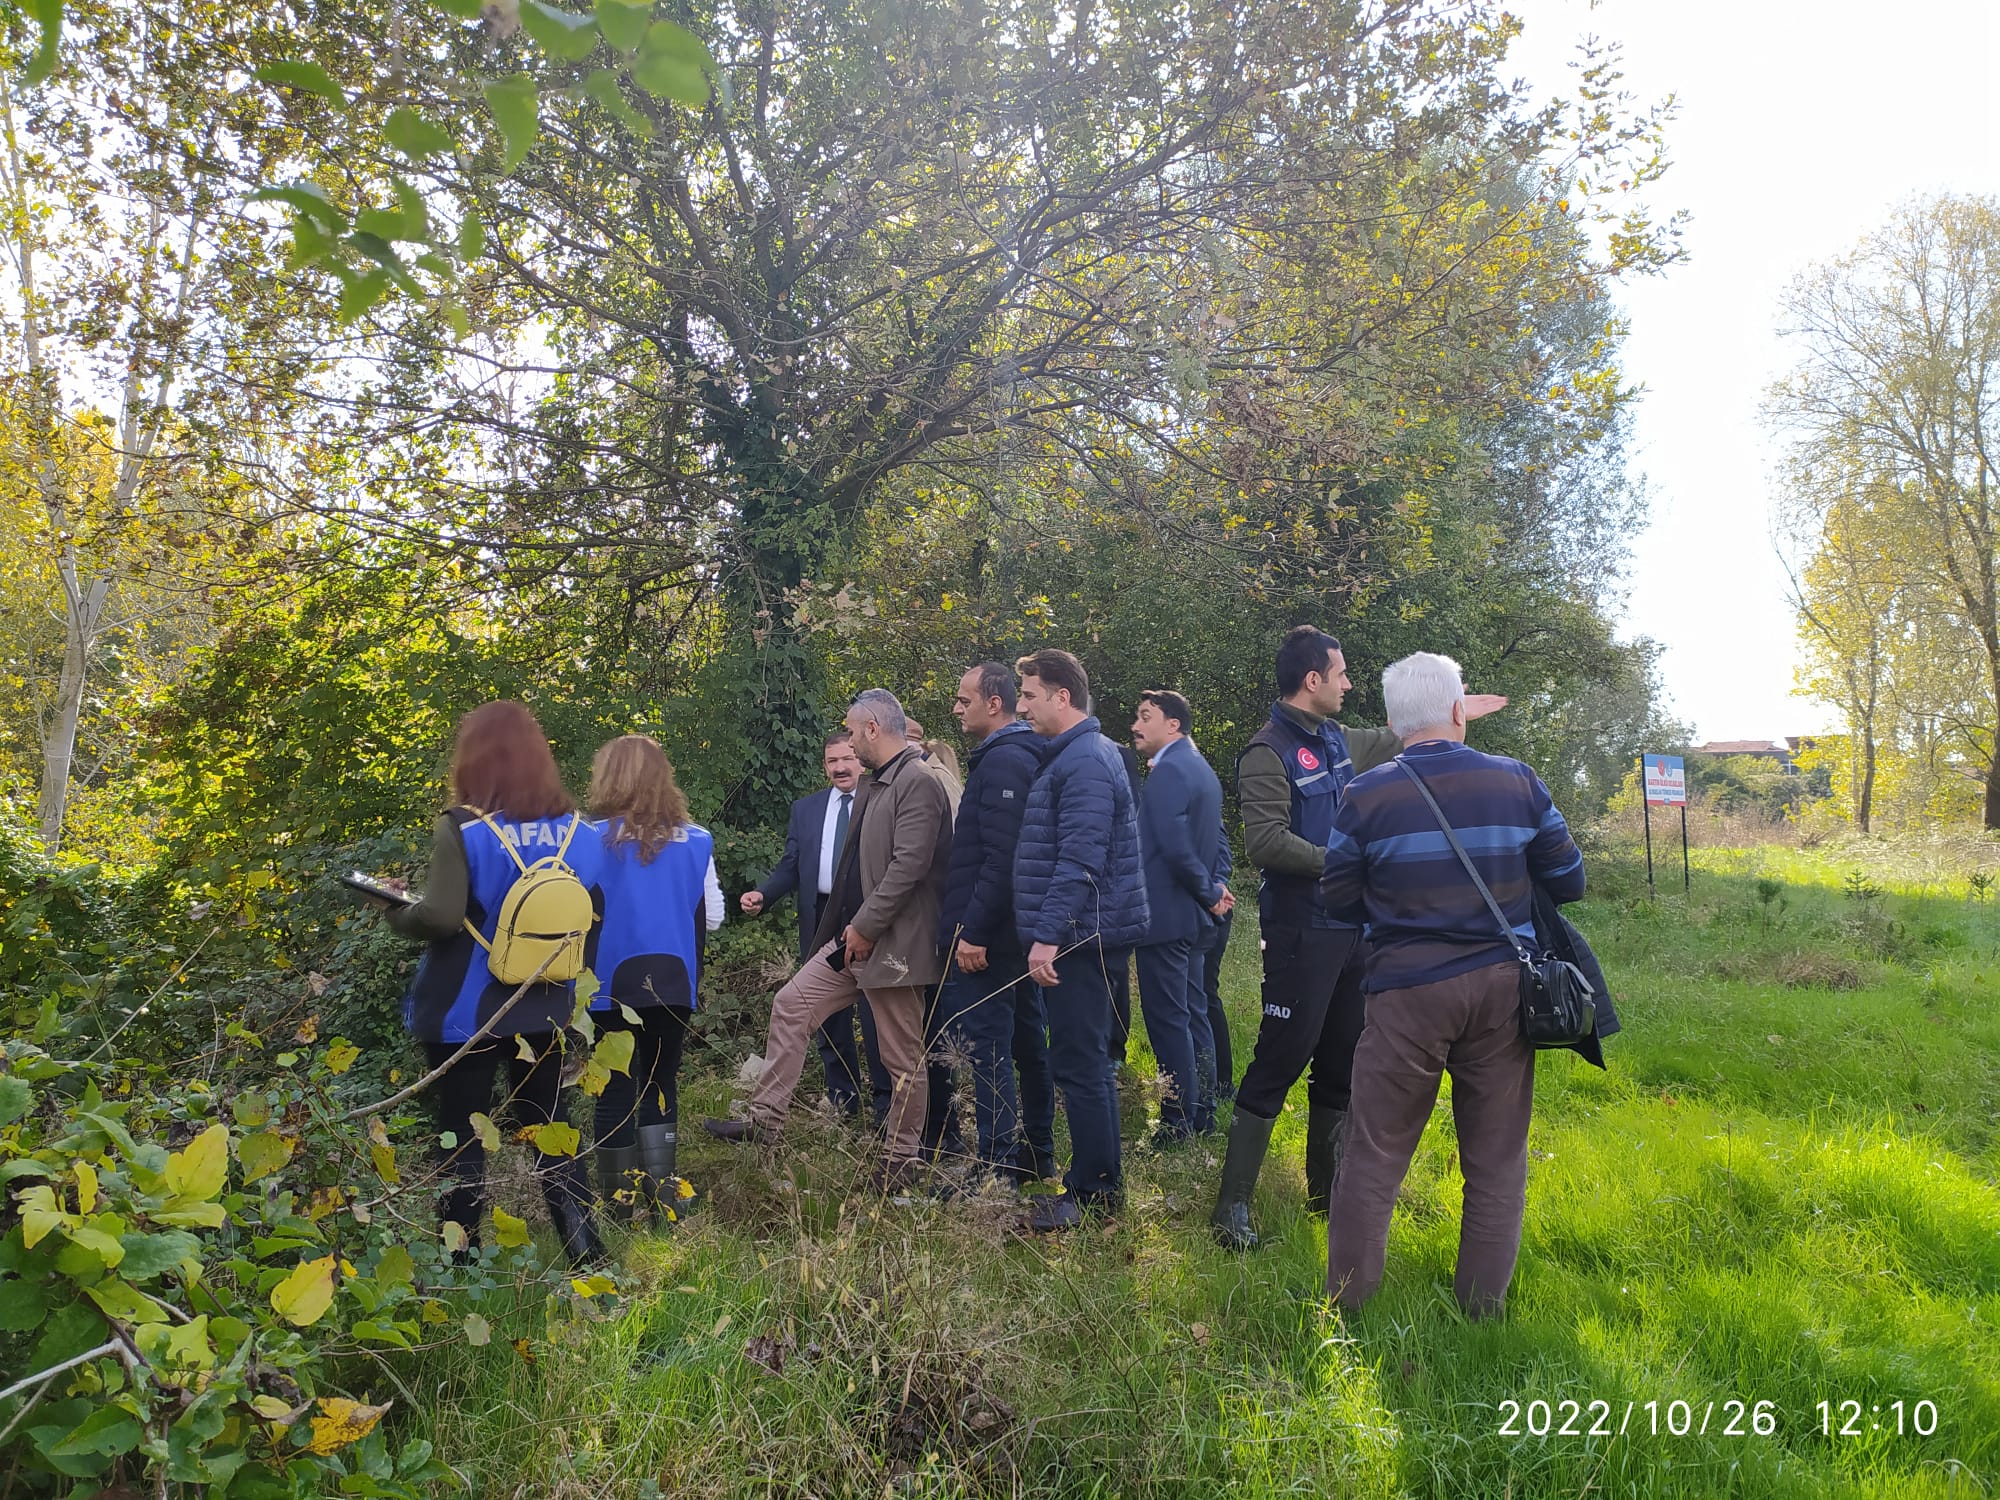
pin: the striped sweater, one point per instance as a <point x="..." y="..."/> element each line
<point x="1388" y="864"/>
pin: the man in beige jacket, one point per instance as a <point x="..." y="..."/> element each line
<point x="877" y="936"/>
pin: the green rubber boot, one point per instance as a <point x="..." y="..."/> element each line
<point x="1326" y="1135"/>
<point x="615" y="1168"/>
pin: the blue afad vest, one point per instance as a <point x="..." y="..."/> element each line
<point x="649" y="945"/>
<point x="453" y="991"/>
<point x="1318" y="767"/>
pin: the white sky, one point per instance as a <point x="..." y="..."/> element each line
<point x="1801" y="124"/>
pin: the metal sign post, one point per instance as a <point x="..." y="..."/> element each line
<point x="1665" y="778"/>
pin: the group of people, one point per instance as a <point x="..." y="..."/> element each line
<point x="990" y="927"/>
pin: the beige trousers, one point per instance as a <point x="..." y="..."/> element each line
<point x="808" y="998"/>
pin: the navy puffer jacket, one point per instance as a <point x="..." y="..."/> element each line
<point x="979" y="890"/>
<point x="1076" y="870"/>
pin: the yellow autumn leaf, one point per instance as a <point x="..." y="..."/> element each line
<point x="592" y="1286"/>
<point x="557" y="1138"/>
<point x="86" y="1187"/>
<point x="454" y="1236"/>
<point x="303" y="1297"/>
<point x="683" y="1188"/>
<point x="487" y="1132"/>
<point x="614" y="1051"/>
<point x="271" y="1407"/>
<point x="594" y="1079"/>
<point x="384" y="1158"/>
<point x="511" y="1232"/>
<point x="341" y="1055"/>
<point x="342" y="1424"/>
<point x="41" y="1212"/>
<point x="198" y="1173"/>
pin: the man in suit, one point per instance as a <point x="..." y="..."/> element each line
<point x="1180" y="815"/>
<point x="1121" y="979"/>
<point x="877" y="934"/>
<point x="813" y="840"/>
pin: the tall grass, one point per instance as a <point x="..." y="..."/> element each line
<point x="1781" y="1192"/>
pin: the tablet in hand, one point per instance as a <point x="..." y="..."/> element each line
<point x="368" y="885"/>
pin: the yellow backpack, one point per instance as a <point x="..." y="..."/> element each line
<point x="544" y="917"/>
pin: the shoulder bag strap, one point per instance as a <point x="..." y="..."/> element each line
<point x="574" y="819"/>
<point x="1506" y="928"/>
<point x="505" y="843"/>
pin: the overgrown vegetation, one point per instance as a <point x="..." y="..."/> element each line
<point x="1781" y="1192"/>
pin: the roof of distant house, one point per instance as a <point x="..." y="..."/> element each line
<point x="1742" y="747"/>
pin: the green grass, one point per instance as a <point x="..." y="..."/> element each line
<point x="1782" y="1191"/>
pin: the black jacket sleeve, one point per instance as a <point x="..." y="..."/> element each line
<point x="1005" y="778"/>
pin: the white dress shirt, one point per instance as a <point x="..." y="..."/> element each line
<point x="827" y="852"/>
<point x="711" y="893"/>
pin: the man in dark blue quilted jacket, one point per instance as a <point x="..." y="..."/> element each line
<point x="1080" y="905"/>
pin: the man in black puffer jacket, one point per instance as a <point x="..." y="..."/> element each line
<point x="987" y="1011"/>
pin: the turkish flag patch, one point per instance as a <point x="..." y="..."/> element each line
<point x="1308" y="760"/>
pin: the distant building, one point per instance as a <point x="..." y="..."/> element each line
<point x="1778" y="751"/>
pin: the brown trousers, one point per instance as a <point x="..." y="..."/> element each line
<point x="1468" y="1026"/>
<point x="808" y="998"/>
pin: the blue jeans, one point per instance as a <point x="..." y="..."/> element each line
<point x="1175" y="1005"/>
<point x="1079" y="1048"/>
<point x="995" y="1017"/>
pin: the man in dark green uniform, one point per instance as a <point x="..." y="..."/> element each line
<point x="1288" y="783"/>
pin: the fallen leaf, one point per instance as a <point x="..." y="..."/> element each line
<point x="478" y="1332"/>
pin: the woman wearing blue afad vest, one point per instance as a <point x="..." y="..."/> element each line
<point x="660" y="898"/>
<point x="509" y="811"/>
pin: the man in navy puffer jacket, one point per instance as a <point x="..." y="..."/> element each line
<point x="987" y="1011"/>
<point x="1080" y="905"/>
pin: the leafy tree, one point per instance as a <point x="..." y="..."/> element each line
<point x="1900" y="349"/>
<point x="1141" y="252"/>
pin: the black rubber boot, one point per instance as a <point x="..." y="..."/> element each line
<point x="659" y="1145"/>
<point x="618" y="1188"/>
<point x="1249" y="1139"/>
<point x="1326" y="1134"/>
<point x="575" y="1224"/>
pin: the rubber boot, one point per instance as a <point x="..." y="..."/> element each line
<point x="659" y="1145"/>
<point x="1249" y="1139"/>
<point x="618" y="1189"/>
<point x="575" y="1224"/>
<point x="1326" y="1134"/>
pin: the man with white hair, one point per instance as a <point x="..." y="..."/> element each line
<point x="877" y="936"/>
<point x="1443" y="981"/>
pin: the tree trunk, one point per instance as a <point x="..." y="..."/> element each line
<point x="1864" y="800"/>
<point x="82" y="614"/>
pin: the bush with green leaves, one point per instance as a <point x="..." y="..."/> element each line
<point x="210" y="1272"/>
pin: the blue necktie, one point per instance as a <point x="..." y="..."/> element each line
<point x="840" y="826"/>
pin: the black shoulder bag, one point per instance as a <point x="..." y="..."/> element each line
<point x="1557" y="1008"/>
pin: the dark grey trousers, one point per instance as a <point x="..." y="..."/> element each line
<point x="1468" y="1026"/>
